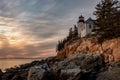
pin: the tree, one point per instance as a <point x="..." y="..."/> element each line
<point x="75" y="33"/>
<point x="70" y="35"/>
<point x="59" y="46"/>
<point x="117" y="23"/>
<point x="107" y="18"/>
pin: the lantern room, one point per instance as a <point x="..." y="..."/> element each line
<point x="81" y="19"/>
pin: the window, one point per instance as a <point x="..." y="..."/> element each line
<point x="90" y="26"/>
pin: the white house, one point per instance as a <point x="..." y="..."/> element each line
<point x="85" y="27"/>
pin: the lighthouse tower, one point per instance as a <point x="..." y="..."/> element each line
<point x="81" y="26"/>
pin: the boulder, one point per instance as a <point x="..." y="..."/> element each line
<point x="67" y="74"/>
<point x="41" y="72"/>
<point x="92" y="61"/>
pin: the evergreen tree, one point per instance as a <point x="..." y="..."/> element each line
<point x="117" y="23"/>
<point x="59" y="46"/>
<point x="107" y="18"/>
<point x="75" y="33"/>
<point x="70" y="35"/>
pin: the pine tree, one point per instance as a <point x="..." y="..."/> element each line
<point x="117" y="23"/>
<point x="106" y="14"/>
<point x="70" y="35"/>
<point x="75" y="33"/>
<point x="59" y="46"/>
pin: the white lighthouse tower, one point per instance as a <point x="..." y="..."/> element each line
<point x="81" y="26"/>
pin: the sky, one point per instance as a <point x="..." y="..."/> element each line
<point x="32" y="28"/>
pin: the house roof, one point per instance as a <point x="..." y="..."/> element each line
<point x="89" y="19"/>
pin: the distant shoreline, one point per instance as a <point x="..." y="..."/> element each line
<point x="7" y="63"/>
<point x="21" y="58"/>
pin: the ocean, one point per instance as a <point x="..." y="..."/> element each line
<point x="8" y="63"/>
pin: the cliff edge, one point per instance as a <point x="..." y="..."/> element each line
<point x="109" y="49"/>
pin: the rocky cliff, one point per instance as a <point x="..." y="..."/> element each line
<point x="81" y="59"/>
<point x="109" y="49"/>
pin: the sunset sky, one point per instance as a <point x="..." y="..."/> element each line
<point x="31" y="28"/>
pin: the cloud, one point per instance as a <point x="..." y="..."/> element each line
<point x="25" y="50"/>
<point x="31" y="28"/>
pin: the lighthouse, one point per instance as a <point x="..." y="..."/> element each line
<point x="81" y="26"/>
<point x="85" y="27"/>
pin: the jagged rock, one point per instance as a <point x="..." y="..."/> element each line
<point x="73" y="61"/>
<point x="92" y="61"/>
<point x="41" y="72"/>
<point x="72" y="68"/>
<point x="79" y="66"/>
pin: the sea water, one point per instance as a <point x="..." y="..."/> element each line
<point x="8" y="63"/>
